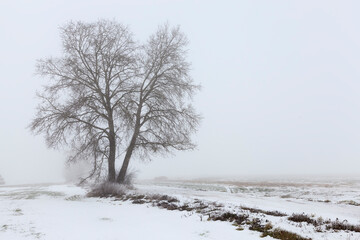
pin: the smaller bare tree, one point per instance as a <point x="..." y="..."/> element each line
<point x="82" y="104"/>
<point x="161" y="117"/>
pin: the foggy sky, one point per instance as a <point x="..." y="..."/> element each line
<point x="280" y="84"/>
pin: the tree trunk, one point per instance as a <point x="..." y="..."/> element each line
<point x="125" y="165"/>
<point x="112" y="149"/>
<point x="131" y="147"/>
<point x="111" y="160"/>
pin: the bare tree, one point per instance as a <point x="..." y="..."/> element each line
<point x="162" y="118"/>
<point x="2" y="180"/>
<point x="82" y="105"/>
<point x="107" y="94"/>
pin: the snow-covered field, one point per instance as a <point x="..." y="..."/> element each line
<point x="63" y="211"/>
<point x="338" y="199"/>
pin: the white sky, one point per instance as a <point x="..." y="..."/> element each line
<point x="280" y="83"/>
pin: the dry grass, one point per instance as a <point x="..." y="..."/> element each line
<point x="284" y="235"/>
<point x="108" y="189"/>
<point x="337" y="225"/>
<point x="271" y="213"/>
<point x="229" y="217"/>
<point x="267" y="230"/>
<point x="303" y="218"/>
<point x="329" y="225"/>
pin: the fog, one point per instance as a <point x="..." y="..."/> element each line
<point x="280" y="84"/>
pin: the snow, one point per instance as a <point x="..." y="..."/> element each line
<point x="306" y="200"/>
<point x="63" y="211"/>
<point x="52" y="215"/>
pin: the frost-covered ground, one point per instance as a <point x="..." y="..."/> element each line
<point x="337" y="199"/>
<point x="62" y="211"/>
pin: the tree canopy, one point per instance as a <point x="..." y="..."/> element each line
<point x="109" y="96"/>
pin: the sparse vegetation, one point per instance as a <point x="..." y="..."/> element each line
<point x="344" y="225"/>
<point x="271" y="213"/>
<point x="284" y="235"/>
<point x="160" y="197"/>
<point x="255" y="225"/>
<point x="267" y="230"/>
<point x="334" y="225"/>
<point x="350" y="202"/>
<point x="229" y="217"/>
<point x="108" y="189"/>
<point x="4" y="227"/>
<point x="239" y="228"/>
<point x="18" y="212"/>
<point x="303" y="218"/>
<point x="74" y="198"/>
<point x="286" y="196"/>
<point x="138" y="201"/>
